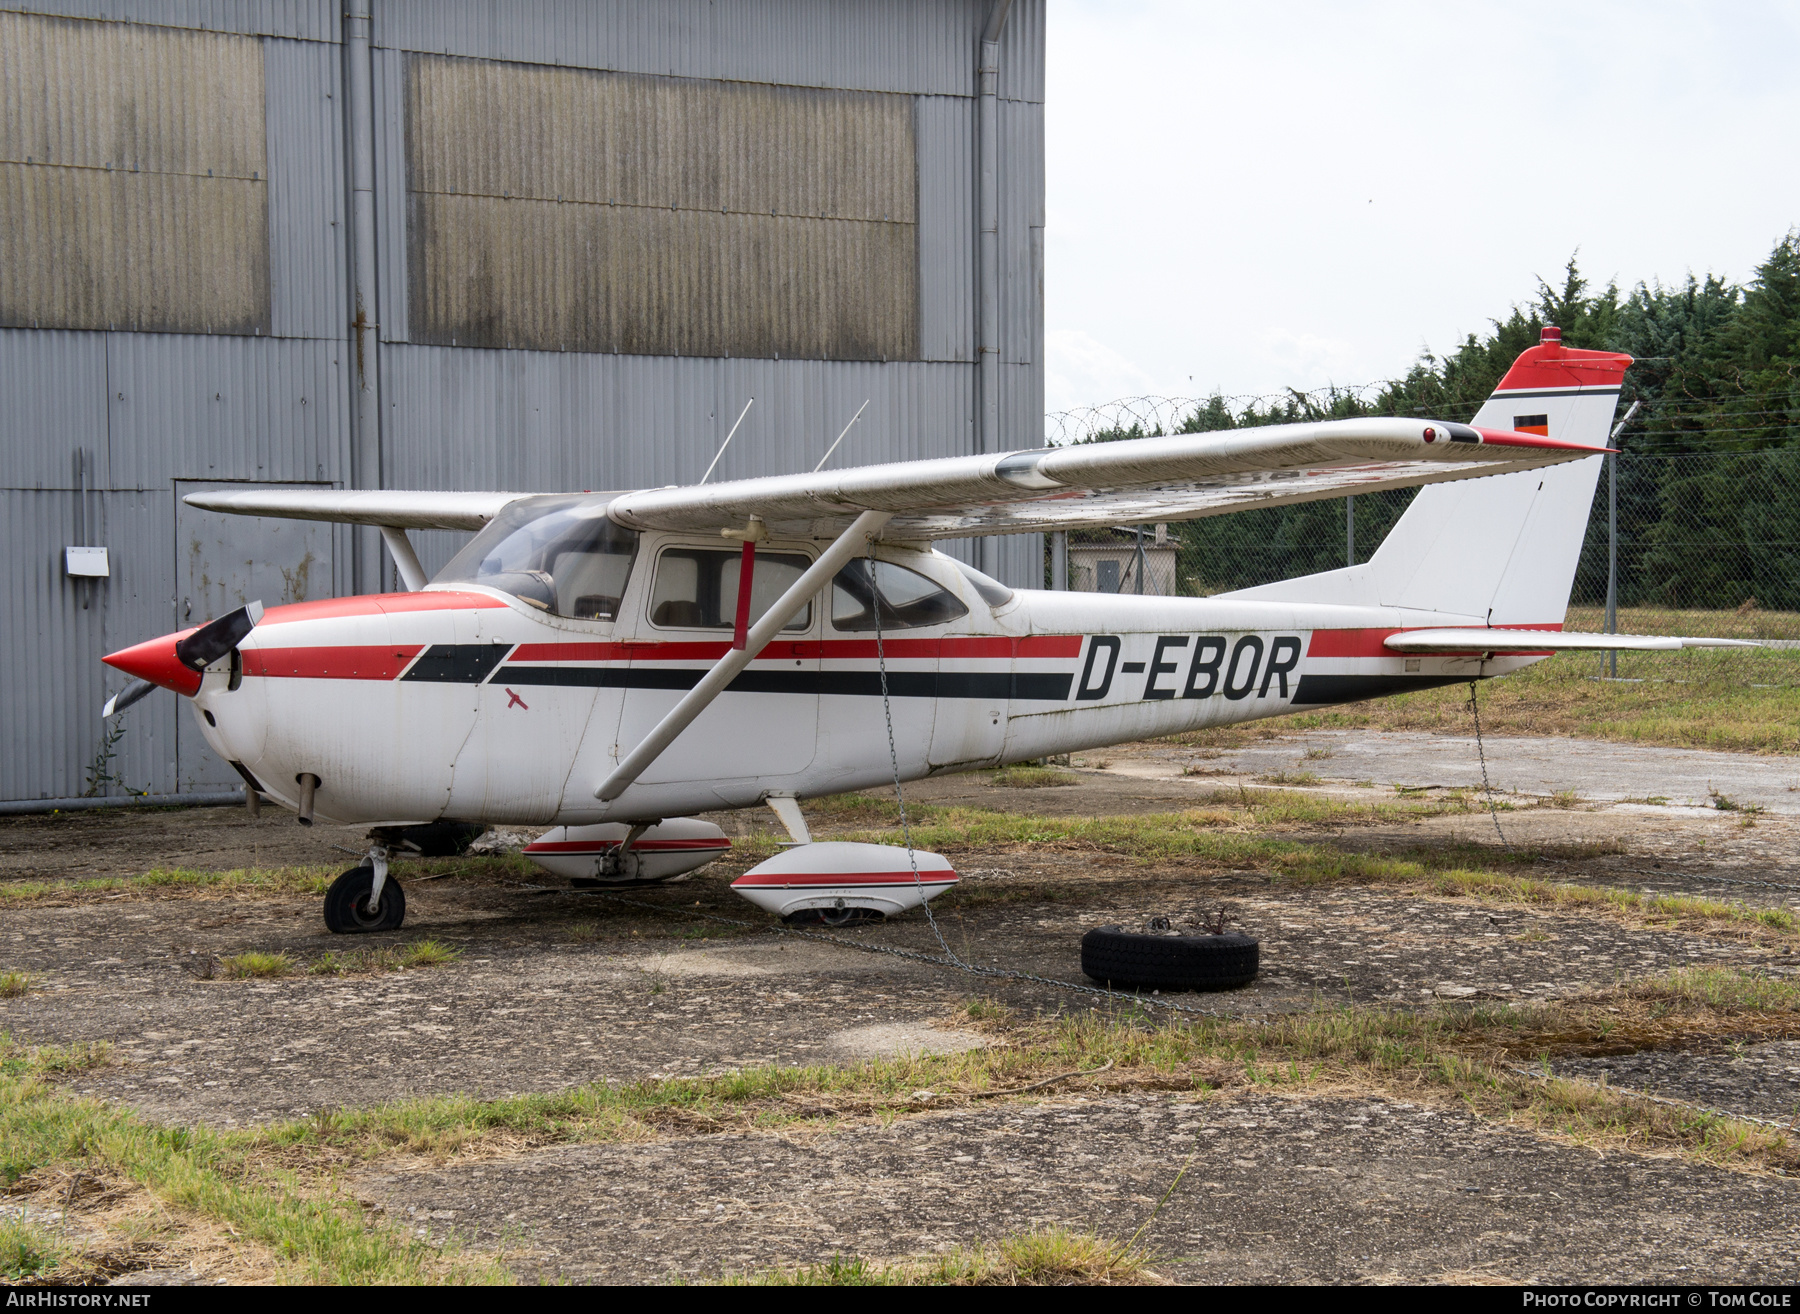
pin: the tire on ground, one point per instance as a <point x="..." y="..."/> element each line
<point x="347" y="910"/>
<point x="1131" y="960"/>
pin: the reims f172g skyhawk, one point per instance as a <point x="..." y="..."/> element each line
<point x="607" y="664"/>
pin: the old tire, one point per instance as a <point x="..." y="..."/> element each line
<point x="347" y="910"/>
<point x="1133" y="961"/>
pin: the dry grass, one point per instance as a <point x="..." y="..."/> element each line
<point x="14" y="984"/>
<point x="310" y="1232"/>
<point x="1745" y="700"/>
<point x="272" y="1186"/>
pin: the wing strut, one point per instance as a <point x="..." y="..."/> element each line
<point x="850" y="543"/>
<point x="406" y="561"/>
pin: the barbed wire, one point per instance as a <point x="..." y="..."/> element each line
<point x="1156" y="413"/>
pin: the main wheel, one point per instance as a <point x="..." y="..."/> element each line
<point x="347" y="910"/>
<point x="1121" y="958"/>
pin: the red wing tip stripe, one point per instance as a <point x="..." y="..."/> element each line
<point x="1517" y="438"/>
<point x="862" y="880"/>
<point x="642" y="846"/>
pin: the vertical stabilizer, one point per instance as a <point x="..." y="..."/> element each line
<point x="1499" y="550"/>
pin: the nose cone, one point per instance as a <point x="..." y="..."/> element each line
<point x="155" y="660"/>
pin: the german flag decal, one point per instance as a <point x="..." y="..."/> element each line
<point x="1538" y="424"/>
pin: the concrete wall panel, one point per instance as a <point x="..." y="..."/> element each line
<point x="568" y="210"/>
<point x="133" y="178"/>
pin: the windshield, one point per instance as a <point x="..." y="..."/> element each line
<point x="559" y="554"/>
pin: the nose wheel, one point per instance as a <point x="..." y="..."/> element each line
<point x="353" y="906"/>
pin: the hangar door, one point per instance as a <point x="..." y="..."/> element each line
<point x="223" y="562"/>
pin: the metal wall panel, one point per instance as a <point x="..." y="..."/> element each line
<point x="549" y="421"/>
<point x="133" y="177"/>
<point x="303" y="20"/>
<point x="391" y="272"/>
<point x="225" y="408"/>
<point x="52" y="716"/>
<point x="946" y="135"/>
<point x="52" y="400"/>
<point x="1021" y="231"/>
<point x="308" y="274"/>
<point x="1022" y="47"/>
<point x="565" y="209"/>
<point x="920" y="46"/>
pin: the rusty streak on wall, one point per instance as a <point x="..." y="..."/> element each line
<point x="572" y="210"/>
<point x="133" y="178"/>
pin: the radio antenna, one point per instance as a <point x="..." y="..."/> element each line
<point x="840" y="438"/>
<point x="728" y="438"/>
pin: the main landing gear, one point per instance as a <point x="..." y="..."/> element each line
<point x="365" y="898"/>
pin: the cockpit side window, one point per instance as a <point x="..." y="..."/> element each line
<point x="697" y="588"/>
<point x="906" y="599"/>
<point x="558" y="554"/>
<point x="992" y="591"/>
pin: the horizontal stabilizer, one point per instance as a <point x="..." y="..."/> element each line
<point x="1498" y="640"/>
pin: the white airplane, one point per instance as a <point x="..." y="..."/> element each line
<point x="607" y="664"/>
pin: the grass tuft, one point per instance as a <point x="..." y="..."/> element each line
<point x="14" y="984"/>
<point x="254" y="963"/>
<point x="28" y="1251"/>
<point x="388" y="958"/>
<point x="1032" y="777"/>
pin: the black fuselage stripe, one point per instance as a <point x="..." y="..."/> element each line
<point x="1316" y="690"/>
<point x="1026" y="686"/>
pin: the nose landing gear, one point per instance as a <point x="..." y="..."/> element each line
<point x="365" y="899"/>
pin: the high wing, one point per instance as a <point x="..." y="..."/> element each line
<point x="1136" y="481"/>
<point x="390" y="508"/>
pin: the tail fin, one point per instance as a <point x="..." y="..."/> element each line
<point x="1500" y="550"/>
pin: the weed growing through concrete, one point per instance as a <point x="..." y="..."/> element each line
<point x="28" y="1250"/>
<point x="1032" y="777"/>
<point x="14" y="984"/>
<point x="254" y="963"/>
<point x="387" y="958"/>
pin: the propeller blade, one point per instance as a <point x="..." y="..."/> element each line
<point x="216" y="638"/>
<point x="130" y="694"/>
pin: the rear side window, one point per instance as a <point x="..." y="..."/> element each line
<point x="697" y="588"/>
<point x="902" y="599"/>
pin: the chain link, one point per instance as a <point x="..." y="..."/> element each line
<point x="1487" y="789"/>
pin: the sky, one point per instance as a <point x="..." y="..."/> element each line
<point x="1247" y="197"/>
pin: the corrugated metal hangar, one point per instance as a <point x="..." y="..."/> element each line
<point x="522" y="244"/>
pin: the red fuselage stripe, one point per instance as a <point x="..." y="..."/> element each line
<point x="377" y="661"/>
<point x="378" y="604"/>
